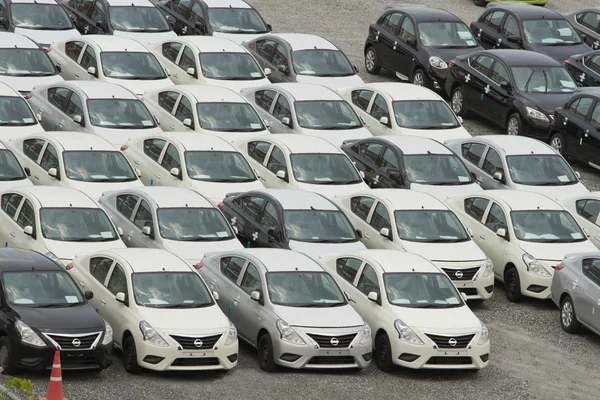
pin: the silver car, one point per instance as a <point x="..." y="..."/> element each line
<point x="587" y="23"/>
<point x="576" y="291"/>
<point x="290" y="309"/>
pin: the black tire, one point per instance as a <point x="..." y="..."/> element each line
<point x="458" y="96"/>
<point x="557" y="141"/>
<point x="568" y="317"/>
<point x="266" y="361"/>
<point x="419" y="77"/>
<point x="130" y="356"/>
<point x="480" y="3"/>
<point x="514" y="125"/>
<point x="512" y="285"/>
<point x="383" y="354"/>
<point x="7" y="361"/>
<point x="371" y="61"/>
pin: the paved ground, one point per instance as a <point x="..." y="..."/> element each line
<point x="532" y="358"/>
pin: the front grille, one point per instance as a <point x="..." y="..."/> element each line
<point x="450" y="361"/>
<point x="465" y="274"/>
<point x="443" y="341"/>
<point x="331" y="360"/>
<point x="197" y="342"/>
<point x="195" y="362"/>
<point x="74" y="342"/>
<point x="338" y="341"/>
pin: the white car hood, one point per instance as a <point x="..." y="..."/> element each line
<point x="139" y="87"/>
<point x="438" y="320"/>
<point x="316" y="250"/>
<point x="5" y="185"/>
<point x="337" y="137"/>
<point x="442" y="192"/>
<point x="26" y="83"/>
<point x="216" y="191"/>
<point x="47" y="37"/>
<point x="319" y="317"/>
<point x="332" y="82"/>
<point x="193" y="320"/>
<point x="69" y="250"/>
<point x="238" y="38"/>
<point x="440" y="135"/>
<point x="146" y="37"/>
<point x="555" y="251"/>
<point x="234" y="137"/>
<point x="330" y="191"/>
<point x="556" y="192"/>
<point x="193" y="252"/>
<point x="237" y="86"/>
<point x="118" y="137"/>
<point x="457" y="252"/>
<point x="17" y="132"/>
<point x="96" y="189"/>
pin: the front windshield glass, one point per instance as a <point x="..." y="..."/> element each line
<point x="230" y="66"/>
<point x="321" y="63"/>
<point x="170" y="290"/>
<point x="426" y="114"/>
<point x="550" y="32"/>
<point x="318" y="226"/>
<point x="324" y="169"/>
<point x="543" y="79"/>
<point x="229" y="117"/>
<point x="193" y="224"/>
<point x="25" y="62"/>
<point x="421" y="290"/>
<point x="14" y="111"/>
<point x="546" y="226"/>
<point x="540" y="170"/>
<point x="77" y="225"/>
<point x="98" y="166"/>
<point x="446" y="35"/>
<point x="131" y="65"/>
<point x="218" y="166"/>
<point x="40" y="16"/>
<point x="120" y="114"/>
<point x="236" y="20"/>
<point x="40" y="289"/>
<point x="304" y="289"/>
<point x="326" y="115"/>
<point x="138" y="19"/>
<point x="430" y="226"/>
<point x="436" y="169"/>
<point x="10" y="169"/>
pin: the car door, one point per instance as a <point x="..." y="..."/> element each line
<point x="276" y="162"/>
<point x="577" y="127"/>
<point x="281" y="109"/>
<point x="170" y="53"/>
<point x="169" y="161"/>
<point x="69" y="61"/>
<point x="477" y="86"/>
<point x="183" y="74"/>
<point x="54" y="111"/>
<point x="26" y="216"/>
<point x="94" y="279"/>
<point x="346" y="273"/>
<point x="511" y="34"/>
<point x="282" y="70"/>
<point x="263" y="100"/>
<point x="493" y="245"/>
<point x="492" y="163"/>
<point x="251" y="311"/>
<point x="73" y="111"/>
<point x="404" y="50"/>
<point x="268" y="231"/>
<point x="119" y="315"/>
<point x="143" y="217"/>
<point x="389" y="172"/>
<point x="489" y="29"/>
<point x="386" y="38"/>
<point x="263" y="52"/>
<point x="184" y="114"/>
<point x="10" y="204"/>
<point x="225" y="283"/>
<point x="367" y="158"/>
<point x="80" y="11"/>
<point x="125" y="205"/>
<point x="196" y="21"/>
<point x="476" y="208"/>
<point x="258" y="151"/>
<point x="164" y="110"/>
<point x="472" y="153"/>
<point x="153" y="149"/>
<point x="366" y="282"/>
<point x="498" y="93"/>
<point x="49" y="160"/>
<point x="380" y="218"/>
<point x="250" y="211"/>
<point x="589" y="211"/>
<point x="87" y="60"/>
<point x="361" y="100"/>
<point x="378" y="109"/>
<point x="591" y="136"/>
<point x="586" y="293"/>
<point x="99" y="18"/>
<point x="591" y="21"/>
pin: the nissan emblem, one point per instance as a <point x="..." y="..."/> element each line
<point x="334" y="341"/>
<point x="76" y="342"/>
<point x="458" y="274"/>
<point x="198" y="343"/>
<point x="452" y="342"/>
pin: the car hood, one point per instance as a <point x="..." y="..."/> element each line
<point x="185" y="319"/>
<point x="193" y="252"/>
<point x="17" y="132"/>
<point x="316" y="250"/>
<point x="561" y="53"/>
<point x="95" y="190"/>
<point x="456" y="252"/>
<point x="146" y="38"/>
<point x="556" y="192"/>
<point x="80" y="318"/>
<point x="118" y="137"/>
<point x="332" y="82"/>
<point x="216" y="191"/>
<point x="234" y="137"/>
<point x="238" y="38"/>
<point x="69" y="250"/>
<point x="546" y="102"/>
<point x="438" y="320"/>
<point x="330" y="191"/>
<point x="555" y="251"/>
<point x="26" y="83"/>
<point x="440" y="135"/>
<point x="5" y="185"/>
<point x="337" y="137"/>
<point x="47" y="37"/>
<point x="237" y="86"/>
<point x="319" y="317"/>
<point x="139" y="87"/>
<point x="443" y="192"/>
<point x="450" y="54"/>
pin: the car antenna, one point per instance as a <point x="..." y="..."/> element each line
<point x="428" y="151"/>
<point x="296" y="268"/>
<point x="312" y="208"/>
<point x="186" y="204"/>
<point x="71" y="205"/>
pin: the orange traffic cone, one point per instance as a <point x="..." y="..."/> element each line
<point x="55" y="388"/>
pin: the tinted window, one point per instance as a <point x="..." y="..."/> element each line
<point x="187" y="59"/>
<point x="361" y="206"/>
<point x="265" y="48"/>
<point x="143" y="216"/>
<point x="118" y="281"/>
<point x="389" y="160"/>
<point x="126" y="203"/>
<point x="74" y="106"/>
<point x="472" y="152"/>
<point x="183" y="6"/>
<point x="279" y="57"/>
<point x="49" y="159"/>
<point x="362" y="98"/>
<point x="269" y="216"/>
<point x="494" y="19"/>
<point x="373" y="151"/>
<point x="100" y="267"/>
<point x="184" y="110"/>
<point x="171" y="50"/>
<point x="251" y="280"/>
<point x="26" y="215"/>
<point x="10" y="203"/>
<point x="347" y="268"/>
<point x="591" y="20"/>
<point x="492" y="162"/>
<point x="282" y="108"/>
<point x="483" y="64"/>
<point x="153" y="148"/>
<point x="583" y="107"/>
<point x="58" y="97"/>
<point x="380" y="218"/>
<point x="171" y="159"/>
<point x="589" y="209"/>
<point x="595" y="118"/>
<point x="380" y="108"/>
<point x="167" y="100"/>
<point x="97" y="12"/>
<point x="591" y="270"/>
<point x="511" y="27"/>
<point x="276" y="161"/>
<point x="476" y="206"/>
<point x="367" y="282"/>
<point x="258" y="150"/>
<point x="89" y="59"/>
<point x="264" y="99"/>
<point x="73" y="50"/>
<point x="499" y="74"/>
<point x="33" y="147"/>
<point x="407" y="31"/>
<point x="496" y="218"/>
<point x="254" y="207"/>
<point x="231" y="267"/>
<point x="392" y="21"/>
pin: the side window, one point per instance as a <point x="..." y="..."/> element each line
<point x="496" y="218"/>
<point x="254" y="207"/>
<point x="143" y="216"/>
<point x="472" y="152"/>
<point x="264" y="99"/>
<point x="251" y="280"/>
<point x="187" y="59"/>
<point x="196" y="15"/>
<point x="231" y="267"/>
<point x="591" y="270"/>
<point x="73" y="50"/>
<point x="276" y="161"/>
<point x="58" y="96"/>
<point x="573" y="105"/>
<point x="50" y="158"/>
<point x="362" y="98"/>
<point x="389" y="160"/>
<point x="89" y="59"/>
<point x="269" y="216"/>
<point x="33" y="147"/>
<point x="153" y="148"/>
<point x="265" y="48"/>
<point x="593" y="63"/>
<point x="99" y="268"/>
<point x="171" y="50"/>
<point x="589" y="209"/>
<point x="380" y="218"/>
<point x="591" y="20"/>
<point x="494" y="19"/>
<point x="171" y="158"/>
<point x="499" y="74"/>
<point x="392" y="21"/>
<point x="74" y="106"/>
<point x="373" y="151"/>
<point x="368" y="282"/>
<point x="379" y="108"/>
<point x="492" y="163"/>
<point x="583" y="107"/>
<point x="595" y="118"/>
<point x="27" y="215"/>
<point x="167" y="100"/>
<point x="183" y="7"/>
<point x="184" y="110"/>
<point x="84" y="6"/>
<point x="361" y="206"/>
<point x="511" y="27"/>
<point x="279" y="57"/>
<point x="282" y="108"/>
<point x="126" y="204"/>
<point x="98" y="12"/>
<point x="258" y="150"/>
<point x="407" y="31"/>
<point x="347" y="268"/>
<point x="10" y="203"/>
<point x="476" y="206"/>
<point x="483" y="64"/>
<point x="118" y="281"/>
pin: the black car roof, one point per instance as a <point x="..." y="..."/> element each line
<point x="523" y="58"/>
<point x="591" y="91"/>
<point x="526" y="11"/>
<point x="17" y="260"/>
<point x="425" y="14"/>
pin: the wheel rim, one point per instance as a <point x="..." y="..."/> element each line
<point x="419" y="80"/>
<point x="3" y="356"/>
<point x="457" y="102"/>
<point x="556" y="143"/>
<point x="370" y="59"/>
<point x="513" y="126"/>
<point x="566" y="315"/>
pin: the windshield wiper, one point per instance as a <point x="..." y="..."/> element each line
<point x="189" y="305"/>
<point x="59" y="305"/>
<point x="444" y="240"/>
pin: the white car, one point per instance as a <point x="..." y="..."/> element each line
<point x="207" y="109"/>
<point x="525" y="234"/>
<point x="204" y="163"/>
<point x="58" y="222"/>
<point x="302" y="162"/>
<point x="24" y="64"/>
<point x="405" y="220"/>
<point x="209" y="60"/>
<point x="16" y="116"/>
<point x="12" y="174"/>
<point x="307" y="109"/>
<point x="175" y="219"/>
<point x="586" y="210"/>
<point x="74" y="159"/>
<point x="404" y="109"/>
<point x="162" y="314"/>
<point x="119" y="60"/>
<point x="417" y="318"/>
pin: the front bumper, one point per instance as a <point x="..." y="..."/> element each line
<point x="467" y="278"/>
<point x="537" y="286"/>
<point x="536" y="128"/>
<point x="438" y="78"/>
<point x="535" y="2"/>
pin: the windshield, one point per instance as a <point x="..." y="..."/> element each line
<point x="25" y="62"/>
<point x="550" y="32"/>
<point x="421" y="290"/>
<point x="41" y="289"/>
<point x="193" y="224"/>
<point x="543" y="79"/>
<point x="170" y="290"/>
<point x="304" y="289"/>
<point x="77" y="225"/>
<point x="120" y="114"/>
<point x="318" y="226"/>
<point x="230" y="66"/>
<point x="324" y="169"/>
<point x="14" y="111"/>
<point x="10" y="169"/>
<point x="540" y="170"/>
<point x="321" y="63"/>
<point x="229" y="117"/>
<point x="98" y="166"/>
<point x="326" y="115"/>
<point x="430" y="226"/>
<point x="133" y="65"/>
<point x="138" y="19"/>
<point x="218" y="166"/>
<point x="40" y="16"/>
<point x="236" y="20"/>
<point x="428" y="114"/>
<point x="446" y="35"/>
<point x="546" y="226"/>
<point x="436" y="169"/>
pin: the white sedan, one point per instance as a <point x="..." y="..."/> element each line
<point x="12" y="174"/>
<point x="16" y="116"/>
<point x="586" y="210"/>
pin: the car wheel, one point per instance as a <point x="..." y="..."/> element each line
<point x="266" y="360"/>
<point x="130" y="356"/>
<point x="568" y="317"/>
<point x="383" y="354"/>
<point x="371" y="61"/>
<point x="513" y="126"/>
<point x="419" y="78"/>
<point x="459" y="103"/>
<point x="7" y="361"/>
<point x="512" y="285"/>
<point x="480" y="3"/>
<point x="557" y="142"/>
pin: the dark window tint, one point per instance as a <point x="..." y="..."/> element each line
<point x="492" y="162"/>
<point x="380" y="218"/>
<point x="264" y="99"/>
<point x="279" y="57"/>
<point x="496" y="218"/>
<point x="258" y="150"/>
<point x="89" y="59"/>
<point x="361" y="206"/>
<point x="231" y="267"/>
<point x="589" y="209"/>
<point x="276" y="161"/>
<point x="126" y="204"/>
<point x="389" y="160"/>
<point x="171" y="50"/>
<point x="10" y="203"/>
<point x="368" y="282"/>
<point x="392" y="21"/>
<point x="183" y="6"/>
<point x="167" y="100"/>
<point x="265" y="48"/>
<point x="380" y="108"/>
<point x="58" y="96"/>
<point x="118" y="281"/>
<point x="50" y="158"/>
<point x="153" y="148"/>
<point x="494" y="19"/>
<point x="362" y="98"/>
<point x="251" y="280"/>
<point x="499" y="74"/>
<point x="73" y="50"/>
<point x="171" y="158"/>
<point x="184" y="110"/>
<point x="143" y="216"/>
<point x="26" y="215"/>
<point x="472" y="152"/>
<point x="269" y="216"/>
<point x="483" y="64"/>
<point x="74" y="106"/>
<point x="591" y="20"/>
<point x="100" y="267"/>
<point x="254" y="207"/>
<point x="476" y="206"/>
<point x="187" y="59"/>
<point x="511" y="27"/>
<point x="347" y="268"/>
<point x="407" y="31"/>
<point x="595" y="118"/>
<point x="591" y="270"/>
<point x="33" y="147"/>
<point x="282" y="108"/>
<point x="583" y="107"/>
<point x="373" y="151"/>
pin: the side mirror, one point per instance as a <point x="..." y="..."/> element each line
<point x="513" y="39"/>
<point x="89" y="294"/>
<point x="256" y="173"/>
<point x="187" y="122"/>
<point x="216" y="295"/>
<point x="235" y="230"/>
<point x="577" y="175"/>
<point x="138" y="172"/>
<point x="271" y="233"/>
<point x="587" y="233"/>
<point x="120" y="297"/>
<point x="350" y="299"/>
<point x="385" y="232"/>
<point x="27" y="171"/>
<point x="267" y="124"/>
<point x="501" y="232"/>
<point x="359" y="233"/>
<point x="470" y="232"/>
<point x="120" y="231"/>
<point x="175" y="172"/>
<point x="255" y="295"/>
<point x="28" y="230"/>
<point x="280" y="174"/>
<point x="497" y="176"/>
<point x="412" y="42"/>
<point x="58" y="68"/>
<point x="460" y="120"/>
<point x="156" y="119"/>
<point x="362" y="174"/>
<point x="77" y="119"/>
<point x="464" y="296"/>
<point x="269" y="27"/>
<point x="39" y="117"/>
<point x="373" y="297"/>
<point x="282" y="68"/>
<point x="191" y="71"/>
<point x="267" y="71"/>
<point x="102" y="25"/>
<point x="53" y="172"/>
<point x="286" y="121"/>
<point x="91" y="71"/>
<point x="384" y="121"/>
<point x="147" y="231"/>
<point x="505" y="86"/>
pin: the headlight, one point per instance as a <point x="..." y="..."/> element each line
<point x="366" y="335"/>
<point x="108" y="334"/>
<point x="288" y="334"/>
<point x="406" y="333"/>
<point x="488" y="268"/>
<point x="231" y="335"/>
<point x="151" y="336"/>
<point x="535" y="114"/>
<point x="437" y="62"/>
<point x="534" y="266"/>
<point x="28" y="335"/>
<point x="484" y="335"/>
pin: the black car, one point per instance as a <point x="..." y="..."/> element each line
<point x="42" y="310"/>
<point x="576" y="128"/>
<point x="587" y="23"/>
<point x="523" y="26"/>
<point x="515" y="89"/>
<point x="585" y="68"/>
<point x="416" y="43"/>
<point x="205" y="17"/>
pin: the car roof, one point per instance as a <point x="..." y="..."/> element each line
<point x="211" y="44"/>
<point x="404" y="199"/>
<point x="304" y="91"/>
<point x="395" y="261"/>
<point x="196" y="141"/>
<point x="150" y="260"/>
<point x="423" y="13"/>
<point x="136" y="3"/>
<point x="209" y="93"/>
<point x="226" y="4"/>
<point x="10" y="40"/>
<point x="14" y="260"/>
<point x="100" y="89"/>
<point x="522" y="200"/>
<point x="523" y="58"/>
<point x="415" y="144"/>
<point x="303" y="144"/>
<point x="291" y="199"/>
<point x="7" y="90"/>
<point x="304" y="41"/>
<point x="172" y="197"/>
<point x="514" y="145"/>
<point x="75" y="140"/>
<point x="116" y="43"/>
<point x="401" y="91"/>
<point x="588" y="90"/>
<point x="33" y="1"/>
<point x="281" y="260"/>
<point x="526" y="11"/>
<point x="56" y="196"/>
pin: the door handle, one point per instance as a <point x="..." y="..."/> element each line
<point x="103" y="301"/>
<point x="482" y="237"/>
<point x="36" y="177"/>
<point x="81" y="283"/>
<point x="597" y="237"/>
<point x="367" y="236"/>
<point x="213" y="283"/>
<point x="172" y="126"/>
<point x="76" y="75"/>
<point x="262" y="179"/>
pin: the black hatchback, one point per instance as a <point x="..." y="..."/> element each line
<point x="585" y="68"/>
<point x="42" y="310"/>
<point x="416" y="43"/>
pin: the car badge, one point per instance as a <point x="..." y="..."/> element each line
<point x="198" y="343"/>
<point x="76" y="342"/>
<point x="458" y="274"/>
<point x="334" y="341"/>
<point x="452" y="342"/>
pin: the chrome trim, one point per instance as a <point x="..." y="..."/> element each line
<point x="196" y="337"/>
<point x="449" y="336"/>
<point x="73" y="335"/>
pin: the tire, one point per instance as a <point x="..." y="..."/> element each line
<point x="7" y="361"/>
<point x="266" y="360"/>
<point x="512" y="285"/>
<point x="458" y="96"/>
<point x="568" y="317"/>
<point x="130" y="356"/>
<point x="514" y="124"/>
<point x="480" y="3"/>
<point x="383" y="354"/>
<point x="371" y="61"/>
<point x="419" y="78"/>
<point x="557" y="141"/>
